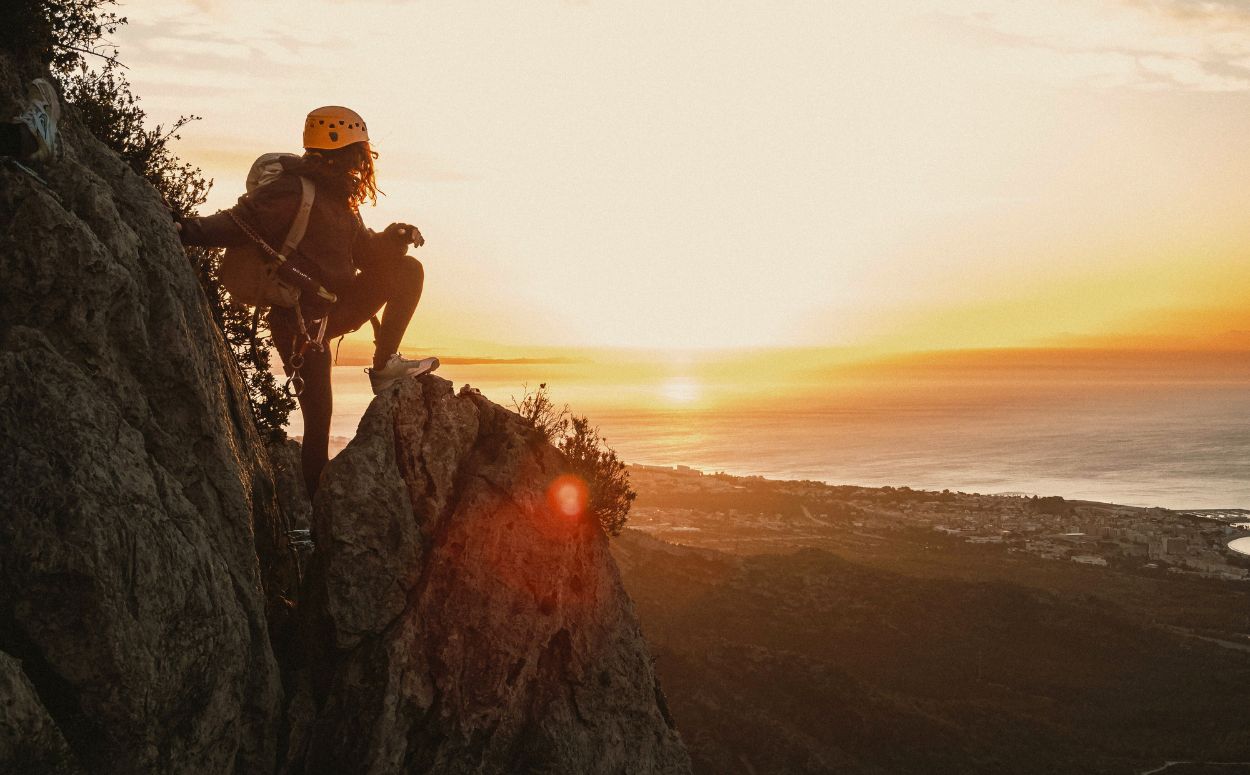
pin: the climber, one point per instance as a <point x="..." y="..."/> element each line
<point x="32" y="135"/>
<point x="366" y="270"/>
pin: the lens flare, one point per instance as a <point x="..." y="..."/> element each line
<point x="568" y="496"/>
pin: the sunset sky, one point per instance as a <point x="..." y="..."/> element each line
<point x="879" y="175"/>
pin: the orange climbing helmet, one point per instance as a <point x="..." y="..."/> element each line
<point x="334" y="127"/>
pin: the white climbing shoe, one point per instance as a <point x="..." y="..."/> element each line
<point x="398" y="367"/>
<point x="40" y="117"/>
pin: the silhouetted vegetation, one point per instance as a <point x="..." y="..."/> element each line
<point x="537" y="409"/>
<point x="588" y="454"/>
<point x="64" y="33"/>
<point x="605" y="475"/>
<point x="59" y="32"/>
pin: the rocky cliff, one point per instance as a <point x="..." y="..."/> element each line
<point x="462" y="624"/>
<point x="140" y="538"/>
<point x="152" y="617"/>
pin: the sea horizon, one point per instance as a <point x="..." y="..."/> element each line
<point x="1168" y="440"/>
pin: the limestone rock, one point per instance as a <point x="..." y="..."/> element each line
<point x="284" y="457"/>
<point x="29" y="738"/>
<point x="466" y="626"/>
<point x="140" y="541"/>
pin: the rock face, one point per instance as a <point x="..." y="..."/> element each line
<point x="29" y="738"/>
<point x="148" y="622"/>
<point x="136" y="494"/>
<point x="289" y="479"/>
<point x="462" y="624"/>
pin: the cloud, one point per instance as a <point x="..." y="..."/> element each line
<point x="1135" y="44"/>
<point x="231" y="30"/>
<point x="199" y="48"/>
<point x="1233" y="13"/>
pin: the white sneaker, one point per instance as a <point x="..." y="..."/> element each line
<point x="40" y="118"/>
<point x="398" y="367"/>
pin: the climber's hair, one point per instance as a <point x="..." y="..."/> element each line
<point x="348" y="170"/>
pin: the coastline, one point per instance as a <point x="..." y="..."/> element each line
<point x="337" y="443"/>
<point x="1180" y="450"/>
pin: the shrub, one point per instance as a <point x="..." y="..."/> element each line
<point x="61" y="32"/>
<point x="58" y="32"/>
<point x="537" y="409"/>
<point x="588" y="454"/>
<point x="105" y="105"/>
<point x="606" y="477"/>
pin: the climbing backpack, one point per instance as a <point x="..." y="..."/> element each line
<point x="255" y="274"/>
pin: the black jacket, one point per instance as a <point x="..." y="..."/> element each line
<point x="336" y="244"/>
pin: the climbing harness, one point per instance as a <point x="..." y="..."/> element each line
<point x="294" y="387"/>
<point x="296" y="283"/>
<point x="300" y="344"/>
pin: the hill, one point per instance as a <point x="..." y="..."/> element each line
<point x="804" y="662"/>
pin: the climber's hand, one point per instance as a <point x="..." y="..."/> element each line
<point x="404" y="233"/>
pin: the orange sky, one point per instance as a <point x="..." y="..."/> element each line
<point x="886" y="176"/>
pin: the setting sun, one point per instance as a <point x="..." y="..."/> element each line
<point x="625" y="388"/>
<point x="680" y="390"/>
<point x="907" y="174"/>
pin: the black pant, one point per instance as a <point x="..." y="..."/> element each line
<point x="395" y="283"/>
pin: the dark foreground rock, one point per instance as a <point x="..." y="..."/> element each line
<point x="139" y="530"/>
<point x="289" y="480"/>
<point x="461" y="625"/>
<point x="29" y="738"/>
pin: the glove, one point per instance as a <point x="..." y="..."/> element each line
<point x="404" y="234"/>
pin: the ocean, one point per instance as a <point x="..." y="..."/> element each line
<point x="1175" y="444"/>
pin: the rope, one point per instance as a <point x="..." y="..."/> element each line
<point x="254" y="237"/>
<point x="281" y="259"/>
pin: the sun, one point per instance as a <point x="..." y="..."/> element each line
<point x="680" y="390"/>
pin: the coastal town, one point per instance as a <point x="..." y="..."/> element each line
<point x="751" y="515"/>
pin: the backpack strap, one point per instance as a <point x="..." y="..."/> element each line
<point x="300" y="224"/>
<point x="296" y="233"/>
